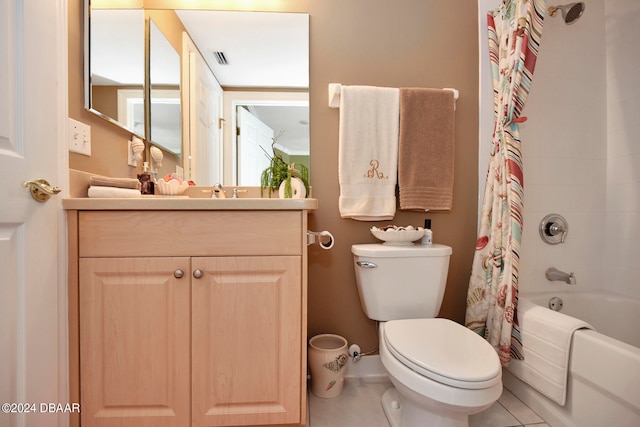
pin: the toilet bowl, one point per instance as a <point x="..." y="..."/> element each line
<point x="442" y="371"/>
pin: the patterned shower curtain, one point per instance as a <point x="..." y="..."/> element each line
<point x="515" y="31"/>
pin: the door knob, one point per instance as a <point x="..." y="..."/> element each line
<point x="198" y="274"/>
<point x="41" y="190"/>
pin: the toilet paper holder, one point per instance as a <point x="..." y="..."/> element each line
<point x="320" y="237"/>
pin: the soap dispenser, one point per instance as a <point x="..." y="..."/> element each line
<point x="145" y="180"/>
<point x="427" y="239"/>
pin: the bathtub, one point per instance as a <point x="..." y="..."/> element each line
<point x="604" y="366"/>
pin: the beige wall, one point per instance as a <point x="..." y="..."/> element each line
<point x="405" y="43"/>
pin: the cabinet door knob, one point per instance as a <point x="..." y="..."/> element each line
<point x="198" y="273"/>
<point x="178" y="273"/>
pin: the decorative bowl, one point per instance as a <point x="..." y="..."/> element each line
<point x="398" y="236"/>
<point x="172" y="187"/>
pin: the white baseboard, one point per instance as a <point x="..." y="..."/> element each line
<point x="366" y="366"/>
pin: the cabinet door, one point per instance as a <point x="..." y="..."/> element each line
<point x="134" y="342"/>
<point x="247" y="349"/>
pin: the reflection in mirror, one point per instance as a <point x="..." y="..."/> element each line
<point x="267" y="129"/>
<point x="267" y="64"/>
<point x="252" y="49"/>
<point x="202" y="160"/>
<point x="285" y="113"/>
<point x="116" y="67"/>
<point x="164" y="78"/>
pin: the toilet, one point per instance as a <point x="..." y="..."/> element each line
<point x="442" y="372"/>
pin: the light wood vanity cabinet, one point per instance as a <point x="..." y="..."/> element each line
<point x="188" y="318"/>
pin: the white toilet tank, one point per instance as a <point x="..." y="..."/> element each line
<point x="401" y="282"/>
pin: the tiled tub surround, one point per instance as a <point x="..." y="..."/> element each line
<point x="581" y="151"/>
<point x="580" y="148"/>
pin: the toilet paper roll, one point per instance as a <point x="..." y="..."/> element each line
<point x="329" y="244"/>
<point x="318" y="237"/>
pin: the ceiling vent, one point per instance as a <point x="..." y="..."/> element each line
<point x="220" y="58"/>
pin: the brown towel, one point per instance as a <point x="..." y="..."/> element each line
<point x="105" y="181"/>
<point x="426" y="149"/>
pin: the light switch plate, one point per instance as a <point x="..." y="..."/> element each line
<point x="79" y="137"/>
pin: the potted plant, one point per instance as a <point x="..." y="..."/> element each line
<point x="280" y="173"/>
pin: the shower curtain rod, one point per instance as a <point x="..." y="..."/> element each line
<point x="335" y="89"/>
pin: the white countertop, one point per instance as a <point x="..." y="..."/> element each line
<point x="186" y="203"/>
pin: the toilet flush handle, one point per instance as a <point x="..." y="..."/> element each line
<point x="366" y="264"/>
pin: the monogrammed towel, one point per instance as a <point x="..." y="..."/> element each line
<point x="368" y="152"/>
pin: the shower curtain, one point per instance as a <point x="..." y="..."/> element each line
<point x="515" y="31"/>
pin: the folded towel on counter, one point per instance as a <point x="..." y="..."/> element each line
<point x="426" y="149"/>
<point x="101" y="192"/>
<point x="546" y="341"/>
<point x="105" y="181"/>
<point x="368" y="152"/>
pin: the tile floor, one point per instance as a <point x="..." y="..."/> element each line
<point x="359" y="406"/>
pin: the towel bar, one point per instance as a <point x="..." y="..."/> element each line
<point x="335" y="88"/>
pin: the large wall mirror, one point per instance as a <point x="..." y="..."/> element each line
<point x="181" y="77"/>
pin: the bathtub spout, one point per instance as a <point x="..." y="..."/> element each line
<point x="552" y="274"/>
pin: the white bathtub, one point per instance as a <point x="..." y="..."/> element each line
<point x="604" y="366"/>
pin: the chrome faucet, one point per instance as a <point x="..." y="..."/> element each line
<point x="553" y="274"/>
<point x="218" y="192"/>
<point x="236" y="193"/>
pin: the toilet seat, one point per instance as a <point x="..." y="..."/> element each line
<point x="443" y="351"/>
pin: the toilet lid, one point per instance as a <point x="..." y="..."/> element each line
<point x="444" y="351"/>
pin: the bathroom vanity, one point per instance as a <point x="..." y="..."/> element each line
<point x="188" y="312"/>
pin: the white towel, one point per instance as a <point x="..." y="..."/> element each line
<point x="368" y="152"/>
<point x="546" y="342"/>
<point x="100" y="192"/>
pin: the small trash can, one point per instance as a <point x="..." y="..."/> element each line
<point x="327" y="362"/>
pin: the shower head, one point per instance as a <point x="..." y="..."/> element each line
<point x="570" y="12"/>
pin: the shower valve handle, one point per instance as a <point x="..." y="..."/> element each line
<point x="554" y="229"/>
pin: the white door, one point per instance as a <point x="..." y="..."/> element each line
<point x="254" y="147"/>
<point x="204" y="108"/>
<point x="33" y="340"/>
